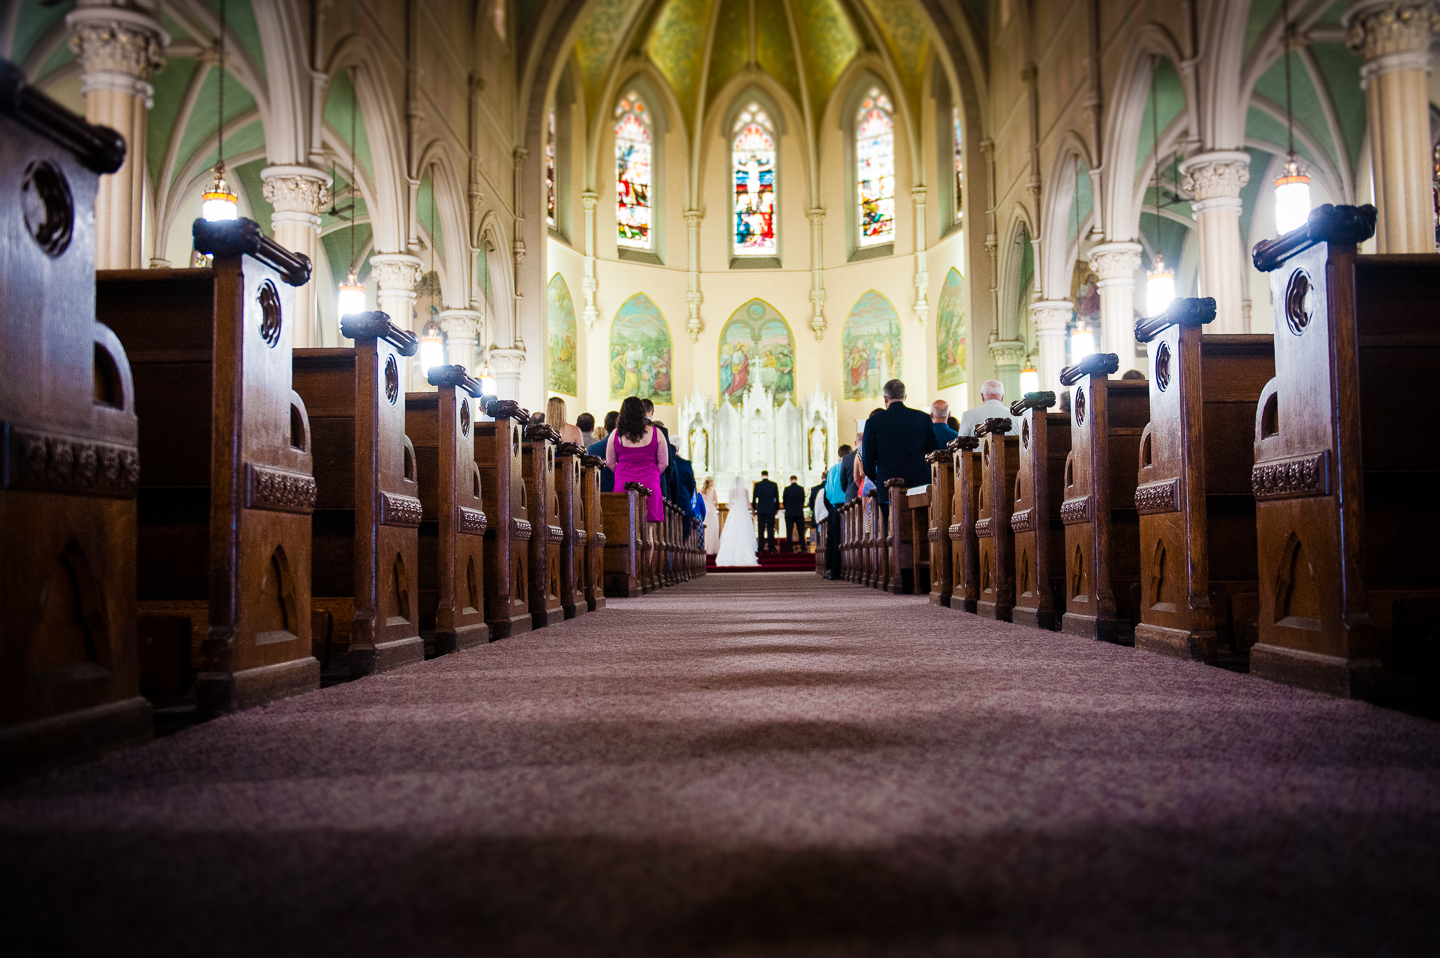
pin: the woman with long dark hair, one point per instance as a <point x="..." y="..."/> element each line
<point x="636" y="452"/>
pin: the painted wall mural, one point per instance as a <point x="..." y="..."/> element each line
<point x="756" y="346"/>
<point x="640" y="361"/>
<point x="870" y="346"/>
<point x="950" y="332"/>
<point x="562" y="334"/>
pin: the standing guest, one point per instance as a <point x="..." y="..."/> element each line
<point x="939" y="413"/>
<point x="711" y="515"/>
<point x="816" y="495"/>
<point x="992" y="406"/>
<point x="636" y="452"/>
<point x="555" y="417"/>
<point x="597" y="448"/>
<point x="848" y="456"/>
<point x="794" y="500"/>
<point x="684" y="483"/>
<point x="767" y="503"/>
<point x="835" y="497"/>
<point x="586" y="424"/>
<point x="897" y="439"/>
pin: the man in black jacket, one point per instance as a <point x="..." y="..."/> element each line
<point x="896" y="441"/>
<point x="794" y="499"/>
<point x="767" y="502"/>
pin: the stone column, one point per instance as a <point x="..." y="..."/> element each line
<point x="589" y="284"/>
<point x="922" y="270"/>
<point x="1215" y="180"/>
<point x="1009" y="356"/>
<point x="298" y="194"/>
<point x="693" y="296"/>
<point x="120" y="45"/>
<point x="1394" y="39"/>
<point x="460" y="327"/>
<point x="817" y="272"/>
<point x="395" y="277"/>
<point x="505" y="364"/>
<point x="1051" y="317"/>
<point x="1115" y="265"/>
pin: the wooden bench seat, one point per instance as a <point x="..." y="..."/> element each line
<point x="909" y="565"/>
<point x="595" y="538"/>
<point x="1035" y="519"/>
<point x="499" y="446"/>
<point x="623" y="514"/>
<point x="568" y="495"/>
<point x="965" y="547"/>
<point x="543" y="511"/>
<point x="999" y="464"/>
<point x="937" y="532"/>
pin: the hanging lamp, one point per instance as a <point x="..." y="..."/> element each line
<point x="432" y="336"/>
<point x="351" y="298"/>
<point x="220" y="202"/>
<point x="1029" y="378"/>
<point x="1292" y="186"/>
<point x="1082" y="337"/>
<point x="1160" y="279"/>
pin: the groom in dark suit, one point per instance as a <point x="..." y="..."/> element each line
<point x="767" y="503"/>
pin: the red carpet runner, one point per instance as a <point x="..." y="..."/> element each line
<point x="777" y="562"/>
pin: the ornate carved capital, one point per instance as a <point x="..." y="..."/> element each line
<point x="1112" y="261"/>
<point x="461" y="323"/>
<point x="817" y="318"/>
<point x="589" y="200"/>
<point x="1393" y="33"/>
<point x="506" y="361"/>
<point x="693" y="218"/>
<point x="816" y="217"/>
<point x="1219" y="175"/>
<point x="1051" y="316"/>
<point x="117" y="40"/>
<point x="1008" y="352"/>
<point x="296" y="189"/>
<point x="694" y="324"/>
<point x="396" y="272"/>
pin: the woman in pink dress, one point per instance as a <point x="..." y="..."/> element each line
<point x="636" y="452"/>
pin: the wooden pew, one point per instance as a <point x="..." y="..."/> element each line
<point x="365" y="561"/>
<point x="849" y="541"/>
<point x="573" y="535"/>
<point x="498" y="452"/>
<point x="451" y="577"/>
<point x="1000" y="463"/>
<point x="69" y="462"/>
<point x="1102" y="528"/>
<point x="1346" y="466"/>
<point x="544" y="515"/>
<point x="624" y="519"/>
<point x="965" y="554"/>
<point x="1198" y="560"/>
<point x="1039" y="492"/>
<point x="937" y="533"/>
<point x="907" y="573"/>
<point x="822" y="528"/>
<point x="594" y="533"/>
<point x="227" y="486"/>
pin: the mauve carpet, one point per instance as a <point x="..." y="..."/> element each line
<point x="751" y="765"/>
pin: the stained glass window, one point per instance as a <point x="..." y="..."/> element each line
<point x="875" y="168"/>
<point x="959" y="168"/>
<point x="550" y="170"/>
<point x="632" y="174"/>
<point x="752" y="155"/>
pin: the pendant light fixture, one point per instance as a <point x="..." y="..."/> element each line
<point x="220" y="202"/>
<point x="1029" y="378"/>
<point x="351" y="299"/>
<point x="1160" y="280"/>
<point x="432" y="337"/>
<point x="1292" y="186"/>
<point x="1082" y="337"/>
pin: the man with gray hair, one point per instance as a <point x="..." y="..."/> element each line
<point x="992" y="406"/>
<point x="939" y="412"/>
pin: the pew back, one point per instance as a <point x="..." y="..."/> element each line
<point x="965" y="559"/>
<point x="1000" y="462"/>
<point x="499" y="448"/>
<point x="1039" y="491"/>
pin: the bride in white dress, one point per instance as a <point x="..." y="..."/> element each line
<point x="737" y="539"/>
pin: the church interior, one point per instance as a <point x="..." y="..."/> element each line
<point x="330" y="616"/>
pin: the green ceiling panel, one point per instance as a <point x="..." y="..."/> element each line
<point x="252" y="137"/>
<point x="34" y="22"/>
<point x="907" y="37"/>
<point x="597" y="39"/>
<point x="429" y="214"/>
<point x="169" y="86"/>
<point x="1085" y="192"/>
<point x="240" y="17"/>
<point x="774" y="47"/>
<point x="260" y="207"/>
<point x="1341" y="70"/>
<point x="1305" y="102"/>
<point x="337" y="250"/>
<point x="1250" y="193"/>
<point x="830" y="43"/>
<point x="1166" y="100"/>
<point x="677" y="48"/>
<point x="361" y="212"/>
<point x="202" y="122"/>
<point x="337" y="116"/>
<point x="731" y="47"/>
<point x="1266" y="128"/>
<point x="1261" y="13"/>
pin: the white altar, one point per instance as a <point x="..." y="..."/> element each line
<point x="725" y="440"/>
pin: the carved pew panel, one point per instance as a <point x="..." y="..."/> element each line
<point x="1344" y="473"/>
<point x="1197" y="514"/>
<point x="901" y="572"/>
<point x="623" y="514"/>
<point x="451" y="576"/>
<point x="499" y="446"/>
<point x="1102" y="528"/>
<point x="937" y="532"/>
<point x="1035" y="521"/>
<point x="573" y="534"/>
<point x="965" y="556"/>
<point x="543" y="511"/>
<point x="1000" y="463"/>
<point x="224" y="541"/>
<point x="69" y="463"/>
<point x="594" y="533"/>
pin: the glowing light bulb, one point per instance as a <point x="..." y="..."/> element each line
<point x="1159" y="287"/>
<point x="352" y="297"/>
<point x="219" y="203"/>
<point x="432" y="348"/>
<point x="1082" y="344"/>
<point x="1030" y="379"/>
<point x="1292" y="197"/>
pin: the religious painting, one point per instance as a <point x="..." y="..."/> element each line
<point x="950" y="332"/>
<point x="640" y="363"/>
<point x="562" y="334"/>
<point x="870" y="347"/>
<point x="756" y="347"/>
<point x="753" y="162"/>
<point x="1085" y="294"/>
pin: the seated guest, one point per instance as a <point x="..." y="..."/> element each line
<point x="555" y="418"/>
<point x="848" y="470"/>
<point x="939" y="413"/>
<point x="897" y="439"/>
<point x="835" y="497"/>
<point x="597" y="448"/>
<point x="954" y="424"/>
<point x="1065" y="401"/>
<point x="586" y="424"/>
<point x="1133" y="374"/>
<point x="992" y="406"/>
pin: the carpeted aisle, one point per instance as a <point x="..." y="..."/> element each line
<point x="751" y="765"/>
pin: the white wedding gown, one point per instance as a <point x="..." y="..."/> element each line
<point x="737" y="538"/>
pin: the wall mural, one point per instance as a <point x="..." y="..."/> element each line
<point x="640" y="352"/>
<point x="427" y="301"/>
<point x="756" y="346"/>
<point x="870" y="346"/>
<point x="950" y="332"/>
<point x="560" y="324"/>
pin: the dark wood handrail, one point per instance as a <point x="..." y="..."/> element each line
<point x="1341" y="225"/>
<point x="1095" y="363"/>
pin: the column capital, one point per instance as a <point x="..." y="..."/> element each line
<point x="1008" y="352"/>
<point x="818" y="323"/>
<point x="1051" y="316"/>
<point x="1221" y="174"/>
<point x="815" y="216"/>
<point x="1115" y="261"/>
<point x="693" y="217"/>
<point x="506" y="361"/>
<point x="589" y="200"/>
<point x="461" y="322"/>
<point x="301" y="190"/>
<point x="396" y="272"/>
<point x="1392" y="35"/>
<point x="118" y="41"/>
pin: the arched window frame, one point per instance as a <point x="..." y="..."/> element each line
<point x="745" y="105"/>
<point x="949" y="144"/>
<point x="559" y="176"/>
<point x="866" y="86"/>
<point x="638" y="87"/>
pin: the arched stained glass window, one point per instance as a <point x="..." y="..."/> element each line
<point x="959" y="167"/>
<point x="632" y="174"/>
<point x="875" y="168"/>
<point x="550" y="170"/>
<point x="752" y="154"/>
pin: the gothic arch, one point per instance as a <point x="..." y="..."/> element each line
<point x="452" y="215"/>
<point x="386" y="134"/>
<point x="758" y="337"/>
<point x="1057" y="254"/>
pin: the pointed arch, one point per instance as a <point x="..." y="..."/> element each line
<point x="452" y="241"/>
<point x="1059" y="246"/>
<point x="385" y="135"/>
